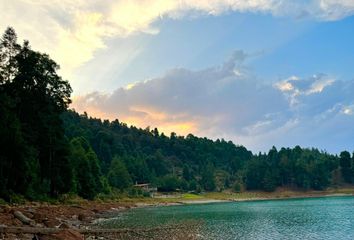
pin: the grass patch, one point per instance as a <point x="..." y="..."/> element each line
<point x="191" y="196"/>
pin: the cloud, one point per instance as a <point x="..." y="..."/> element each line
<point x="182" y="97"/>
<point x="72" y="31"/>
<point x="218" y="102"/>
<point x="294" y="87"/>
<point x="335" y="9"/>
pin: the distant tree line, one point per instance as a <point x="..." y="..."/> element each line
<point x="48" y="150"/>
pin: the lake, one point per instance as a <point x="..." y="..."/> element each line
<point x="305" y="218"/>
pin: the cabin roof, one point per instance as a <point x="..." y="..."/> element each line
<point x="142" y="185"/>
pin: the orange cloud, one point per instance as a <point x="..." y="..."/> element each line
<point x="142" y="116"/>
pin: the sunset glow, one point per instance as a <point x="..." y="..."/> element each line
<point x="260" y="73"/>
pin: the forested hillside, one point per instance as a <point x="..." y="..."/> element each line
<point x="192" y="163"/>
<point x="48" y="150"/>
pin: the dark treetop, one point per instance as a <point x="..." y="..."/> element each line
<point x="47" y="150"/>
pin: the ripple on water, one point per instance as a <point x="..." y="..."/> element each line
<point x="316" y="218"/>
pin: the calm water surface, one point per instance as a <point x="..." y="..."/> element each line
<point x="315" y="218"/>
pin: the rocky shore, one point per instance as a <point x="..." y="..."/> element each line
<point x="44" y="221"/>
<point x="67" y="217"/>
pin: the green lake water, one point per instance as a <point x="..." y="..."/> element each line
<point x="310" y="218"/>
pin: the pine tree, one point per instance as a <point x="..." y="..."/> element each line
<point x="118" y="175"/>
<point x="345" y="164"/>
<point x="208" y="177"/>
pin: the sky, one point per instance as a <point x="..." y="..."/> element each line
<point x="257" y="72"/>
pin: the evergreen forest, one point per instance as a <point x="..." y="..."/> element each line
<point x="48" y="149"/>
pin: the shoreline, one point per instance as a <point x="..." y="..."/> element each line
<point x="84" y="214"/>
<point x="210" y="201"/>
<point x="295" y="197"/>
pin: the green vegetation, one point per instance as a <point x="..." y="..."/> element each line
<point x="48" y="151"/>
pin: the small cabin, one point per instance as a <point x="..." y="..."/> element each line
<point x="146" y="187"/>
